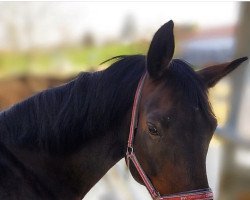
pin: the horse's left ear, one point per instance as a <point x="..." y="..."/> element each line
<point x="161" y="50"/>
<point x="211" y="75"/>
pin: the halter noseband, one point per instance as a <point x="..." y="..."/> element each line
<point x="200" y="194"/>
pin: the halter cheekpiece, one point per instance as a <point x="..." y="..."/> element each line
<point x="201" y="194"/>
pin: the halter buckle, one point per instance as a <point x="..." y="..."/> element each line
<point x="130" y="150"/>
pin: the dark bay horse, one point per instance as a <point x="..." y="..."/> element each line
<point x="60" y="142"/>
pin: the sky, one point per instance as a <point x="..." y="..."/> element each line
<point x="53" y="21"/>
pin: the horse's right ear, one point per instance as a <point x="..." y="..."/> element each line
<point x="161" y="50"/>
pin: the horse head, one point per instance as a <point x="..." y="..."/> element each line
<point x="175" y="119"/>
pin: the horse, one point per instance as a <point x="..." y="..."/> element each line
<point x="154" y="110"/>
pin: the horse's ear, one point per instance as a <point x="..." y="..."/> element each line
<point x="161" y="50"/>
<point x="211" y="75"/>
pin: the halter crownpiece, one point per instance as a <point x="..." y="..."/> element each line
<point x="201" y="194"/>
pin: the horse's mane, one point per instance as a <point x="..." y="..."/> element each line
<point x="60" y="119"/>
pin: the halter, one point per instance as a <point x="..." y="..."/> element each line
<point x="200" y="194"/>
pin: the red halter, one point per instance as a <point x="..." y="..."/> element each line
<point x="205" y="194"/>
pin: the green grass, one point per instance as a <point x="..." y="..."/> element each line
<point x="64" y="60"/>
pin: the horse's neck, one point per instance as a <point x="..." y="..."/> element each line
<point x="69" y="176"/>
<point x="94" y="160"/>
<point x="60" y="177"/>
<point x="100" y="154"/>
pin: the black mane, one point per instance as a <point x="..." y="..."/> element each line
<point x="62" y="118"/>
<point x="67" y="115"/>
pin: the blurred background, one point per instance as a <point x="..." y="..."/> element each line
<point x="44" y="44"/>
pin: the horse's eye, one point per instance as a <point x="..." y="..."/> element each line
<point x="152" y="129"/>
